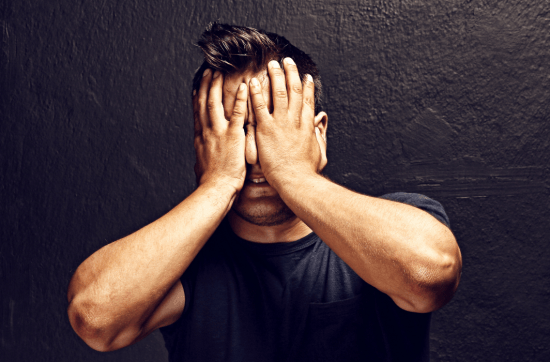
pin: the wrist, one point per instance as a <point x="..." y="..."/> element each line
<point x="294" y="179"/>
<point x="224" y="190"/>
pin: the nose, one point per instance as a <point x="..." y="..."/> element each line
<point x="251" y="150"/>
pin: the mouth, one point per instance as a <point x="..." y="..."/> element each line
<point x="256" y="181"/>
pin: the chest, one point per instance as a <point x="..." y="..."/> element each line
<point x="275" y="307"/>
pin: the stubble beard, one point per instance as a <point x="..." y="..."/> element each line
<point x="271" y="211"/>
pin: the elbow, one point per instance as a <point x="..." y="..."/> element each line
<point x="89" y="328"/>
<point x="435" y="287"/>
<point x="94" y="321"/>
<point x="432" y="285"/>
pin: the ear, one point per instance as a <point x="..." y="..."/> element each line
<point x="321" y="124"/>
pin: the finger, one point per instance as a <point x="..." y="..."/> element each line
<point x="196" y="113"/>
<point x="214" y="103"/>
<point x="258" y="103"/>
<point x="278" y="89"/>
<point x="203" y="98"/>
<point x="239" y="111"/>
<point x="229" y="97"/>
<point x="308" y="108"/>
<point x="294" y="86"/>
<point x="251" y="150"/>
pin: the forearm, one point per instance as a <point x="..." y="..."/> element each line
<point x="122" y="283"/>
<point x="397" y="248"/>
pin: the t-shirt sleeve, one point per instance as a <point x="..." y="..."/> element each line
<point x="170" y="331"/>
<point x="431" y="206"/>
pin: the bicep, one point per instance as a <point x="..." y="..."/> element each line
<point x="167" y="312"/>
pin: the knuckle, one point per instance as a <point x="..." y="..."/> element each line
<point x="310" y="102"/>
<point x="280" y="93"/>
<point x="277" y="72"/>
<point x="297" y="88"/>
<point x="260" y="106"/>
<point x="210" y="105"/>
<point x="238" y="112"/>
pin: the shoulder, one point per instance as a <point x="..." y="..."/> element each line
<point x="422" y="202"/>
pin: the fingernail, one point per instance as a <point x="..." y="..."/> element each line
<point x="216" y="74"/>
<point x="274" y="64"/>
<point x="309" y="78"/>
<point x="194" y="92"/>
<point x="254" y="82"/>
<point x="242" y="87"/>
<point x="206" y="72"/>
<point x="289" y="61"/>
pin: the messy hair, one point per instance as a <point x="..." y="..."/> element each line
<point x="232" y="49"/>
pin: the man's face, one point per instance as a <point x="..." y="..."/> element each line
<point x="257" y="203"/>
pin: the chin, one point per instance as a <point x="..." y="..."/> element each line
<point x="265" y="211"/>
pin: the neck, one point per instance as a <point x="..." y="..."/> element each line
<point x="291" y="230"/>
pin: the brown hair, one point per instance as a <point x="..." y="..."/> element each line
<point x="232" y="48"/>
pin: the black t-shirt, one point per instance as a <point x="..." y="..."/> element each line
<point x="296" y="301"/>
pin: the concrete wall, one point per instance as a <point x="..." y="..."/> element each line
<point x="446" y="98"/>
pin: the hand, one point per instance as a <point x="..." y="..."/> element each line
<point x="288" y="144"/>
<point x="219" y="143"/>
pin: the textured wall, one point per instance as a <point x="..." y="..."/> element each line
<point x="447" y="98"/>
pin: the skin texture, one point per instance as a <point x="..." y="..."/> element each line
<point x="404" y="252"/>
<point x="258" y="206"/>
<point x="399" y="249"/>
<point x="260" y="210"/>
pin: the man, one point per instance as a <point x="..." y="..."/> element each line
<point x="267" y="260"/>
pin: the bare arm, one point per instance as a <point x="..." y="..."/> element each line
<point x="130" y="287"/>
<point x="115" y="291"/>
<point x="397" y="248"/>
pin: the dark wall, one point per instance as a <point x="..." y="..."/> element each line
<point x="446" y="98"/>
